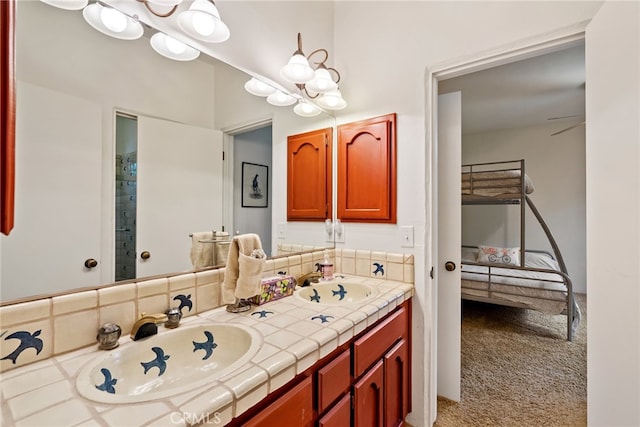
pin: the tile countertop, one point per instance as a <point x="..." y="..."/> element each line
<point x="44" y="393"/>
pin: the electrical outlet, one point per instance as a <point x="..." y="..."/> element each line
<point x="282" y="230"/>
<point x="406" y="236"/>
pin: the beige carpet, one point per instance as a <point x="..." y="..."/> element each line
<point x="519" y="370"/>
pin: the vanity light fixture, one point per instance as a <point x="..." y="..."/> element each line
<point x="312" y="77"/>
<point x="112" y="22"/>
<point x="201" y="20"/>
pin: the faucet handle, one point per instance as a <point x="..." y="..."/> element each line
<point x="108" y="336"/>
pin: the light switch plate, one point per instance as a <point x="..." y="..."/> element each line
<point x="406" y="236"/>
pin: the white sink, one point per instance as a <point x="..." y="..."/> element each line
<point x="336" y="292"/>
<point x="168" y="363"/>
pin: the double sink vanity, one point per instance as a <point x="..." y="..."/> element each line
<point x="332" y="352"/>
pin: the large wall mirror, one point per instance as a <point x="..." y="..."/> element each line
<point x="77" y="91"/>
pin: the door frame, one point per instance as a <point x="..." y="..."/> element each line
<point x="228" y="136"/>
<point x="527" y="48"/>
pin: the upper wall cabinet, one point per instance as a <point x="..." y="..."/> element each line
<point x="367" y="170"/>
<point x="309" y="176"/>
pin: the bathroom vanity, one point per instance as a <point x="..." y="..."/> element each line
<point x="307" y="362"/>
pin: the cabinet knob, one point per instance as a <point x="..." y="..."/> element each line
<point x="90" y="263"/>
<point x="145" y="255"/>
<point x="449" y="265"/>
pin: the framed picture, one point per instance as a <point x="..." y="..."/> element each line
<point x="255" y="185"/>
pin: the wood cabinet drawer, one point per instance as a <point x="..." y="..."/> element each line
<point x="295" y="408"/>
<point x="339" y="415"/>
<point x="333" y="380"/>
<point x="374" y="344"/>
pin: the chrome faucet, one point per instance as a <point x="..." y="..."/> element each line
<point x="147" y="325"/>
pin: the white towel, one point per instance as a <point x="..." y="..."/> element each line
<point x="201" y="253"/>
<point x="243" y="273"/>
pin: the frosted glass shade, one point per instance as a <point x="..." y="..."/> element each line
<point x="258" y="88"/>
<point x="280" y="99"/>
<point x="202" y="21"/>
<point x="171" y="48"/>
<point x="297" y="70"/>
<point x="112" y="22"/>
<point x="322" y="81"/>
<point x="305" y="109"/>
<point x="67" y="4"/>
<point x="332" y="100"/>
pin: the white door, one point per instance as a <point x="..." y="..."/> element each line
<point x="448" y="238"/>
<point x="58" y="164"/>
<point x="179" y="192"/>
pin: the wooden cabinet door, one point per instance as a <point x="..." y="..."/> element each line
<point x="333" y="380"/>
<point x="396" y="384"/>
<point x="309" y="176"/>
<point x="295" y="408"/>
<point x="368" y="398"/>
<point x="339" y="415"/>
<point x="367" y="170"/>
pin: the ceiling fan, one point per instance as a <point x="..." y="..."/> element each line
<point x="573" y="126"/>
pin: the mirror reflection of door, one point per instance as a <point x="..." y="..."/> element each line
<point x="126" y="166"/>
<point x="252" y="147"/>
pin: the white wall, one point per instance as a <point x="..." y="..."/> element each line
<point x="556" y="166"/>
<point x="383" y="49"/>
<point x="613" y="215"/>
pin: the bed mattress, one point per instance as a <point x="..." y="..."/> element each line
<point x="491" y="184"/>
<point x="542" y="291"/>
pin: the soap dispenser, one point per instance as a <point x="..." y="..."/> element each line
<point x="326" y="267"/>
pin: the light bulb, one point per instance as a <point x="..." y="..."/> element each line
<point x="174" y="45"/>
<point x="203" y="23"/>
<point x="113" y="19"/>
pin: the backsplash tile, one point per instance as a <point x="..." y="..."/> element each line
<point x="54" y="325"/>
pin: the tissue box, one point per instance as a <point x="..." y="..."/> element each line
<point x="274" y="288"/>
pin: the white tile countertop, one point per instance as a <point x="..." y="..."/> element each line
<point x="292" y="337"/>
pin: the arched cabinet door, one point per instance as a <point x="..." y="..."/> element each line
<point x="309" y="176"/>
<point x="367" y="170"/>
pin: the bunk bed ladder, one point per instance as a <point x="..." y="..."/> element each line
<point x="563" y="267"/>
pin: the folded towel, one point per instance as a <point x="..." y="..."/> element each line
<point x="243" y="273"/>
<point x="201" y="253"/>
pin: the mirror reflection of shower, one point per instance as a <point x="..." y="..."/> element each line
<point x="126" y="166"/>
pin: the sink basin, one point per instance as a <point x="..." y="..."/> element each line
<point x="336" y="292"/>
<point x="168" y="363"/>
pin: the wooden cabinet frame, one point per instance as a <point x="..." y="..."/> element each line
<point x="8" y="114"/>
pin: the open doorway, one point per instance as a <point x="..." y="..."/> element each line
<point x="503" y="123"/>
<point x="250" y="154"/>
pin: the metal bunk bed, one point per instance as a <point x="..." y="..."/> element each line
<point x="538" y="280"/>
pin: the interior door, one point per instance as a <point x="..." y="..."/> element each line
<point x="448" y="238"/>
<point x="179" y="192"/>
<point x="58" y="166"/>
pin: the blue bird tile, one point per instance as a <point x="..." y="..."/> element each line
<point x="378" y="268"/>
<point x="262" y="313"/>
<point x="27" y="340"/>
<point x="323" y="318"/>
<point x="185" y="301"/>
<point x="340" y="293"/>
<point x="315" y="297"/>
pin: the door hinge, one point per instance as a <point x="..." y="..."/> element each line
<point x="223" y="156"/>
<point x="431" y="273"/>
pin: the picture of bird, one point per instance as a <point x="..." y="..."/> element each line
<point x="341" y="292"/>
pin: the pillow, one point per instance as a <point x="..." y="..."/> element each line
<point x="494" y="255"/>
